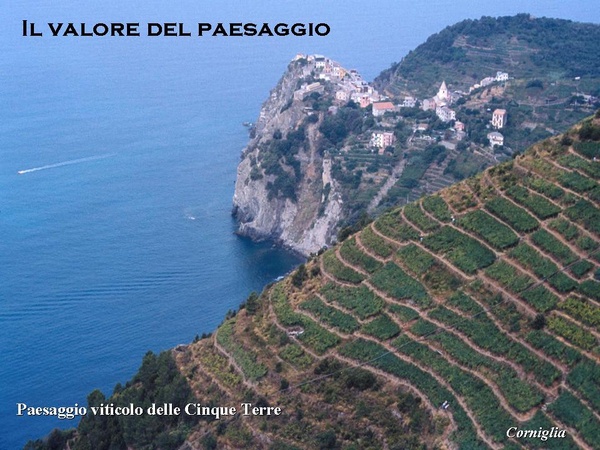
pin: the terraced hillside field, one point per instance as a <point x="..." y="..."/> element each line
<point x="443" y="324"/>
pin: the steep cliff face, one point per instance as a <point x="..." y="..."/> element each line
<point x="284" y="190"/>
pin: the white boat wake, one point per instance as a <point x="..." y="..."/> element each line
<point x="66" y="163"/>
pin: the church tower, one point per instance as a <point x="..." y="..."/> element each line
<point x="443" y="92"/>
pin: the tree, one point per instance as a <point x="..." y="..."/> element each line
<point x="252" y="303"/>
<point x="299" y="276"/>
<point x="539" y="322"/>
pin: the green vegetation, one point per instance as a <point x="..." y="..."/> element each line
<point x="480" y="398"/>
<point x="516" y="217"/>
<point x="314" y="335"/>
<point x="540" y="298"/>
<point x="375" y="355"/>
<point x="581" y="268"/>
<point x="381" y="327"/>
<point x="375" y="243"/>
<point x="553" y="347"/>
<point x="331" y="316"/>
<point x="509" y="277"/>
<point x="553" y="246"/>
<point x="572" y="333"/>
<point x="435" y="205"/>
<point x="294" y="354"/>
<point x="565" y="228"/>
<point x="519" y="394"/>
<point x="576" y="182"/>
<point x="355" y="256"/>
<point x="585" y="378"/>
<point x="588" y="149"/>
<point x="339" y="270"/>
<point x="276" y="158"/>
<point x="220" y="367"/>
<point x="572" y="413"/>
<point x="582" y="310"/>
<point x="417" y="217"/>
<point x="532" y="260"/>
<point x="538" y="205"/>
<point x="492" y="231"/>
<point x="359" y="300"/>
<point x="394" y="281"/>
<point x="464" y="303"/>
<point x="586" y="214"/>
<point x="403" y="313"/>
<point x="486" y="335"/>
<point x="463" y="251"/>
<point x="541" y="421"/>
<point x="550" y="190"/>
<point x="391" y="225"/>
<point x="246" y="358"/>
<point x="417" y="260"/>
<point x="590" y="288"/>
<point x="589" y="168"/>
<point x="157" y="381"/>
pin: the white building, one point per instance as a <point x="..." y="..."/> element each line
<point x="445" y="114"/>
<point x="308" y="89"/>
<point x="487" y="81"/>
<point x="409" y="102"/>
<point x="428" y="104"/>
<point x="320" y="62"/>
<point x="442" y="94"/>
<point x="495" y="138"/>
<point x="499" y="118"/>
<point x="342" y="95"/>
<point x="501" y="76"/>
<point x="382" y="140"/>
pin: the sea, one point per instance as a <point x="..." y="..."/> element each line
<point x="117" y="167"/>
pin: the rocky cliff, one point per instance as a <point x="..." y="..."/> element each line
<point x="284" y="190"/>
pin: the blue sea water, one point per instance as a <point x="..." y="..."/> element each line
<point x="122" y="240"/>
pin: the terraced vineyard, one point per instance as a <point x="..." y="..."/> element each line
<point x="442" y="324"/>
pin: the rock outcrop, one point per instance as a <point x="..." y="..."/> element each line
<point x="284" y="189"/>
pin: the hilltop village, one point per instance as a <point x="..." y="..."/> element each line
<point x="423" y="144"/>
<point x="348" y="85"/>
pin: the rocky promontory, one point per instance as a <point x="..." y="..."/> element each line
<point x="284" y="189"/>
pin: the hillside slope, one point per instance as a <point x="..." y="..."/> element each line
<point x="442" y="324"/>
<point x="329" y="148"/>
<point x="525" y="46"/>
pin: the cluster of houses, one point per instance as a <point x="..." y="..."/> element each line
<point x="441" y="103"/>
<point x="500" y="77"/>
<point x="349" y="85"/>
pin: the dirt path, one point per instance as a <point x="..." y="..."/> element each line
<point x="398" y="382"/>
<point x="498" y="288"/>
<point x="519" y="416"/>
<point x="462" y="337"/>
<point x="364" y="249"/>
<point x="571" y="432"/>
<point x="332" y="278"/>
<point x="390" y="182"/>
<point x="340" y="308"/>
<point x="232" y="361"/>
<point x="349" y="264"/>
<point x="390" y="240"/>
<point x="482" y="435"/>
